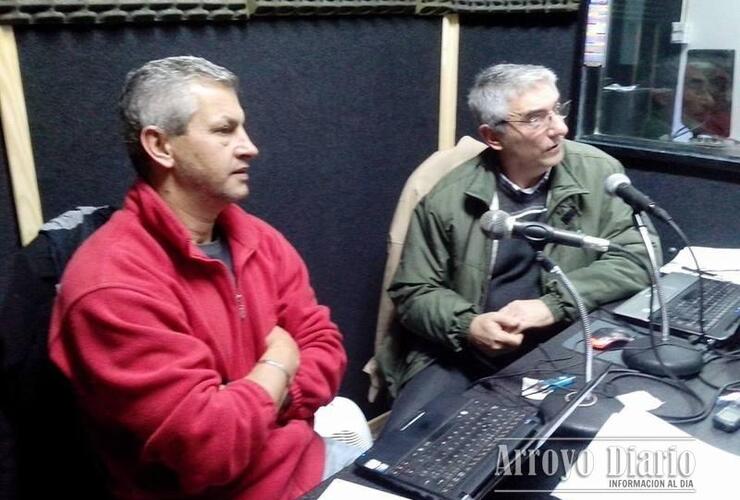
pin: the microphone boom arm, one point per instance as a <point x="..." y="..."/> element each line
<point x="654" y="275"/>
<point x="551" y="267"/>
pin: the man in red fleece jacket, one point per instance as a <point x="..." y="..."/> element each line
<point x="187" y="327"/>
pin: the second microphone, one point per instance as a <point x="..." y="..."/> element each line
<point x="499" y="225"/>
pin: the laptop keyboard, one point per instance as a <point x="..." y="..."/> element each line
<point x="721" y="298"/>
<point x="451" y="453"/>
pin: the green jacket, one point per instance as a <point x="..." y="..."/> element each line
<point x="442" y="279"/>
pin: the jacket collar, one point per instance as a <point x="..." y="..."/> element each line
<point x="564" y="183"/>
<point x="562" y="197"/>
<point x="482" y="184"/>
<point x="565" y="192"/>
<point x="161" y="222"/>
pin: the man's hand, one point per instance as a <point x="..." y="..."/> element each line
<point x="531" y="313"/>
<point x="503" y="329"/>
<point x="284" y="358"/>
<point x="495" y="331"/>
<point x="282" y="348"/>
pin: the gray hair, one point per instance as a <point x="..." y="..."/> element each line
<point x="497" y="85"/>
<point x="158" y="94"/>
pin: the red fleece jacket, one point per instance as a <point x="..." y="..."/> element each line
<point x="148" y="328"/>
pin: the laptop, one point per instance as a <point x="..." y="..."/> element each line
<point x="681" y="294"/>
<point x="450" y="450"/>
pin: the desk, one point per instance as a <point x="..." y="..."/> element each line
<point x="561" y="354"/>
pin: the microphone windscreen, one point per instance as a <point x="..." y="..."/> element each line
<point x="612" y="183"/>
<point x="495" y="223"/>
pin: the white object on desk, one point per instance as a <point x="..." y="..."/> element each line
<point x="635" y="442"/>
<point x="723" y="263"/>
<point x="640" y="400"/>
<point x="339" y="489"/>
<point x="530" y="391"/>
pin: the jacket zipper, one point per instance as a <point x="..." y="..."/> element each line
<point x="238" y="296"/>
<point x="241" y="307"/>
<point x="491" y="252"/>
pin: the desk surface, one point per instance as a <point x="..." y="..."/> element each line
<point x="562" y="354"/>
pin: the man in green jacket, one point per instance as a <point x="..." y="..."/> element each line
<point x="470" y="305"/>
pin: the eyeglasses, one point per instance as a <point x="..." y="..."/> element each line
<point x="538" y="120"/>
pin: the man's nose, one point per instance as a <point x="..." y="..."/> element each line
<point x="245" y="146"/>
<point x="557" y="125"/>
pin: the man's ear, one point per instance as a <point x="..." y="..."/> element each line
<point x="157" y="145"/>
<point x="490" y="137"/>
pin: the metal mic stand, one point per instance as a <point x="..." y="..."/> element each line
<point x="553" y="268"/>
<point x="588" y="417"/>
<point x="672" y="356"/>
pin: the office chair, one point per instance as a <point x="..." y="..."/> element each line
<point x="419" y="183"/>
<point x="49" y="453"/>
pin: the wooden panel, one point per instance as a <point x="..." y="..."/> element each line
<point x="18" y="139"/>
<point x="448" y="81"/>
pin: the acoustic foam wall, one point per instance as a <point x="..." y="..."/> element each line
<point x="704" y="208"/>
<point x="55" y="12"/>
<point x="547" y="40"/>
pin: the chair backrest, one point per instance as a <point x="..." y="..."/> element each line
<point x="419" y="183"/>
<point x="51" y="455"/>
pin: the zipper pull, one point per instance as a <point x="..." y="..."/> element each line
<point x="240" y="305"/>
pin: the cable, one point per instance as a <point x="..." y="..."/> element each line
<point x="550" y="359"/>
<point x="680" y="385"/>
<point x="514" y="397"/>
<point x="719" y="392"/>
<point x="707" y="271"/>
<point x="530" y="371"/>
<point x="701" y="276"/>
<point x="729" y="357"/>
<point x="645" y="267"/>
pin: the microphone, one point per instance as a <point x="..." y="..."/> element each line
<point x="621" y="186"/>
<point x="498" y="225"/>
